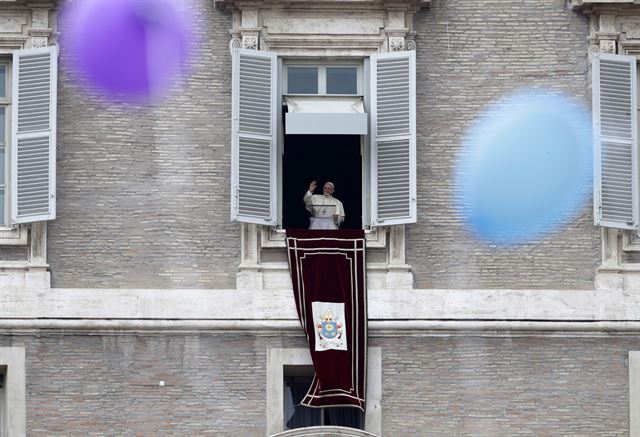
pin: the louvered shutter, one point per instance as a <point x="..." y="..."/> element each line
<point x="33" y="135"/>
<point x="393" y="138"/>
<point x="253" y="178"/>
<point x="616" y="194"/>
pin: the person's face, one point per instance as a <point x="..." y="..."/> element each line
<point x="328" y="189"/>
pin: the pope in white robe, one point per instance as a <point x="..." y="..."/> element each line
<point x="326" y="211"/>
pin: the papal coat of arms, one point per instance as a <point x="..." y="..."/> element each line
<point x="330" y="329"/>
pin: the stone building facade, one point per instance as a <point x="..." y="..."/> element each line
<point x="143" y="310"/>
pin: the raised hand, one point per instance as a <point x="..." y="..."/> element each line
<point x="312" y="186"/>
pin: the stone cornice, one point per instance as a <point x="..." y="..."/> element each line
<point x="291" y="327"/>
<point x="404" y="5"/>
<point x="593" y="6"/>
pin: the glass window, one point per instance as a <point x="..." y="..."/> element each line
<point x="342" y="80"/>
<point x="302" y="80"/>
<point x="2" y="164"/>
<point x="3" y="121"/>
<point x="3" y="81"/>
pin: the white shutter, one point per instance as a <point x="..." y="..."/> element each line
<point x="33" y="135"/>
<point x="253" y="152"/>
<point x="615" y="135"/>
<point x="393" y="138"/>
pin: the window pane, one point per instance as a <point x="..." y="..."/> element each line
<point x="342" y="80"/>
<point x="3" y="121"/>
<point x="1" y="206"/>
<point x="3" y="81"/>
<point x="302" y="80"/>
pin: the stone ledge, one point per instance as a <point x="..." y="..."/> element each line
<point x="260" y="305"/>
<point x="413" y="5"/>
<point x="376" y="328"/>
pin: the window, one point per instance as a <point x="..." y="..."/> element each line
<point x="385" y="178"/>
<point x="13" y="418"/>
<point x="5" y="110"/>
<point x="615" y="130"/>
<point x="323" y="79"/>
<point x="27" y="139"/>
<point x="288" y="373"/>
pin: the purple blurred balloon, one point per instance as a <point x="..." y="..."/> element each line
<point x="131" y="49"/>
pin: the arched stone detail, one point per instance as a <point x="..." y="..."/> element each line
<point x="324" y="431"/>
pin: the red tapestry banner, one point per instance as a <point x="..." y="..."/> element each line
<point x="328" y="275"/>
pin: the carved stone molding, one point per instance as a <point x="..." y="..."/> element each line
<point x="608" y="46"/>
<point x="323" y="27"/>
<point x="396" y="44"/>
<point x="412" y="5"/>
<point x="250" y="42"/>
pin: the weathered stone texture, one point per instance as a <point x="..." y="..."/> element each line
<point x="432" y="386"/>
<point x="469" y="54"/>
<point x="13" y="253"/>
<point x="143" y="192"/>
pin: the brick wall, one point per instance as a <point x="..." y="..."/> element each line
<point x="487" y="387"/>
<point x="432" y="386"/>
<point x="470" y="53"/>
<point x="143" y="192"/>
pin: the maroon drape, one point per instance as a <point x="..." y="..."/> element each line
<point x="328" y="268"/>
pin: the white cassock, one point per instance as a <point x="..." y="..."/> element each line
<point x="322" y="209"/>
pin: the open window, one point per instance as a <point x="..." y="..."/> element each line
<point x="353" y="124"/>
<point x="28" y="136"/>
<point x="615" y="132"/>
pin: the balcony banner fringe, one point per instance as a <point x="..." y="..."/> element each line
<point x="328" y="275"/>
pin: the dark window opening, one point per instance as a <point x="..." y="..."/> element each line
<point x="323" y="158"/>
<point x="298" y="416"/>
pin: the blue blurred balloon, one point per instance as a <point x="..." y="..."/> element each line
<point x="526" y="167"/>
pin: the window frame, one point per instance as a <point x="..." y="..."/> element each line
<point x="395" y="189"/>
<point x="277" y="358"/>
<point x="5" y="102"/>
<point x="14" y="420"/>
<point x="362" y="63"/>
<point x="634" y="393"/>
<point x="10" y="235"/>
